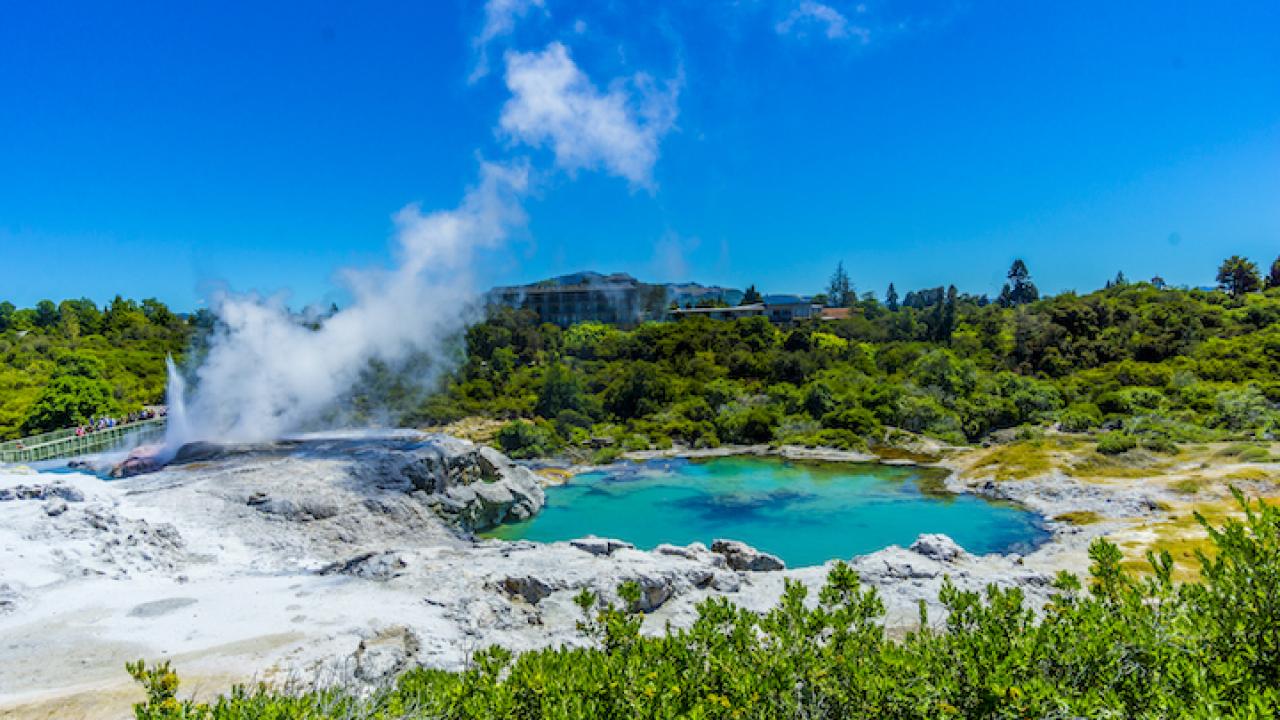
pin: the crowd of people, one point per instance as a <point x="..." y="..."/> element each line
<point x="96" y="424"/>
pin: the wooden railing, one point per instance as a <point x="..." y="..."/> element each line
<point x="67" y="444"/>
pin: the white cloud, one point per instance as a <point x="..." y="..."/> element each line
<point x="554" y="104"/>
<point x="835" y="25"/>
<point x="500" y="18"/>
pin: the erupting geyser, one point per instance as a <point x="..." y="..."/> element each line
<point x="266" y="373"/>
<point x="177" y="430"/>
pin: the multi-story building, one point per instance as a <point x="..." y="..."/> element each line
<point x="617" y="299"/>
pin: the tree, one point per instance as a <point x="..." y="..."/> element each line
<point x="642" y="389"/>
<point x="1020" y="289"/>
<point x="839" y="291"/>
<point x="76" y="393"/>
<point x="751" y="296"/>
<point x="891" y="298"/>
<point x="1273" y="278"/>
<point x="560" y="391"/>
<point x="7" y="310"/>
<point x="1238" y="275"/>
<point x="948" y="325"/>
<point x="46" y="314"/>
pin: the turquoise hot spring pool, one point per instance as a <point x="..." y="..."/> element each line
<point x="805" y="513"/>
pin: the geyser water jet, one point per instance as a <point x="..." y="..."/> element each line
<point x="177" y="431"/>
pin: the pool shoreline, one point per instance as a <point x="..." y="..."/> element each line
<point x="1050" y="497"/>
<point x="815" y="506"/>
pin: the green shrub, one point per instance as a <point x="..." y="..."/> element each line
<point x="523" y="439"/>
<point x="1114" y="443"/>
<point x="1079" y="418"/>
<point x="1246" y="452"/>
<point x="857" y="420"/>
<point x="1160" y="445"/>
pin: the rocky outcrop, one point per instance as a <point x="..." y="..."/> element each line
<point x="741" y="556"/>
<point x="551" y="575"/>
<point x="41" y="491"/>
<point x="474" y="487"/>
<point x="937" y="547"/>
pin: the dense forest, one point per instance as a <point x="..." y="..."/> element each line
<point x="1118" y="647"/>
<point x="61" y="364"/>
<point x="1151" y="364"/>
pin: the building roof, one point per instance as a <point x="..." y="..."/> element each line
<point x="835" y="313"/>
<point x="785" y="300"/>
<point x="758" y="307"/>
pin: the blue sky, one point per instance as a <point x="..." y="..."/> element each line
<point x="162" y="149"/>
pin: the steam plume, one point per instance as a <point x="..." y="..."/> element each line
<point x="266" y="375"/>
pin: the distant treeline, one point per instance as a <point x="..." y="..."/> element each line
<point x="62" y="364"/>
<point x="1157" y="365"/>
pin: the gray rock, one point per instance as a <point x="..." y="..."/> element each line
<point x="530" y="588"/>
<point x="938" y="547"/>
<point x="9" y="598"/>
<point x="741" y="556"/>
<point x="41" y="492"/>
<point x="381" y="566"/>
<point x="600" y="546"/>
<point x="54" y="507"/>
<point x="301" y="509"/>
<point x="687" y="553"/>
<point x="382" y="656"/>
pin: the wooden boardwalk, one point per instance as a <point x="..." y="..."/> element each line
<point x="66" y="444"/>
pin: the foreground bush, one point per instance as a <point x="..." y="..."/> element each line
<point x="1124" y="647"/>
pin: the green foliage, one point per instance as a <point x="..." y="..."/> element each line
<point x="1114" y="443"/>
<point x="1119" y="646"/>
<point x="68" y="401"/>
<point x="560" y="391"/>
<point x="1238" y="275"/>
<point x="522" y="439"/>
<point x="1080" y="417"/>
<point x="62" y="363"/>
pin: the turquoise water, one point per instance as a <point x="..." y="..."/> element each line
<point x="805" y="513"/>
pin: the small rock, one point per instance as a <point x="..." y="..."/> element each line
<point x="381" y="566"/>
<point x="742" y="556"/>
<point x="386" y="654"/>
<point x="726" y="582"/>
<point x="528" y="587"/>
<point x="600" y="546"/>
<point x="55" y="507"/>
<point x="937" y="547"/>
<point x="676" y="551"/>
